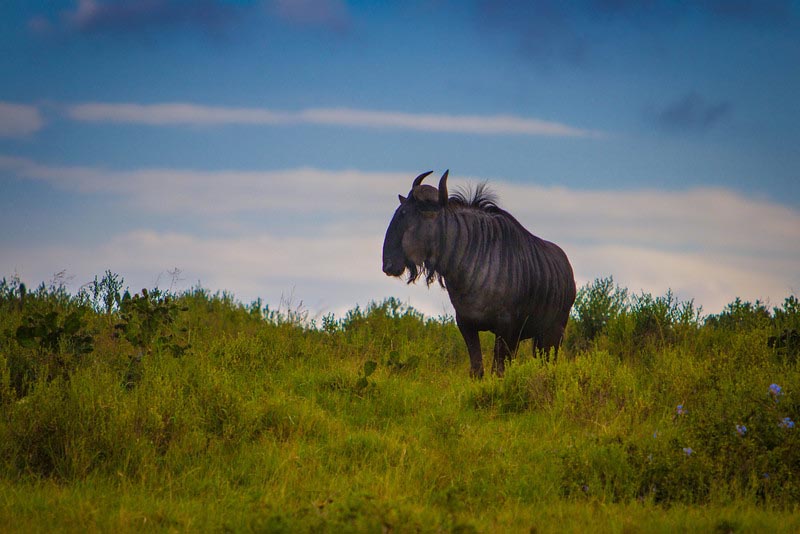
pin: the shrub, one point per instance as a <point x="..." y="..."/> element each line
<point x="56" y="343"/>
<point x="741" y="315"/>
<point x="596" y="304"/>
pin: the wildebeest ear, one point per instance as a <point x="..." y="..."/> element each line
<point x="443" y="189"/>
<point x="402" y="198"/>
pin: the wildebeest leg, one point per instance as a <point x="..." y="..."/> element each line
<point x="474" y="347"/>
<point x="504" y="347"/>
<point x="547" y="344"/>
<point x="540" y="349"/>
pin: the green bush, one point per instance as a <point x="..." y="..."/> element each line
<point x="597" y="304"/>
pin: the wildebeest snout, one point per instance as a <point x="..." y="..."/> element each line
<point x="392" y="268"/>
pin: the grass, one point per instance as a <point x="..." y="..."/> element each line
<point x="193" y="412"/>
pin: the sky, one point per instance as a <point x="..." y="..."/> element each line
<point x="258" y="147"/>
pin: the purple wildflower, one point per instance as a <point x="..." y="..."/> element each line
<point x="741" y="430"/>
<point x="786" y="422"/>
<point x="688" y="451"/>
<point x="680" y="410"/>
<point x="776" y="391"/>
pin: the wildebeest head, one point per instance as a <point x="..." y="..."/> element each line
<point x="408" y="239"/>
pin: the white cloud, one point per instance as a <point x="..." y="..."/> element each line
<point x="196" y="115"/>
<point x="19" y="120"/>
<point x="708" y="244"/>
<point x="175" y="114"/>
<point x="698" y="219"/>
<point x="296" y="192"/>
<point x="472" y="124"/>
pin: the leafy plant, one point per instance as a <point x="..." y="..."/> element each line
<point x="363" y="381"/>
<point x="12" y="293"/>
<point x="105" y="293"/>
<point x="596" y="304"/>
<point x="394" y="363"/>
<point x="329" y="324"/>
<point x="740" y="315"/>
<point x="58" y="340"/>
<point x="47" y="332"/>
<point x="147" y="321"/>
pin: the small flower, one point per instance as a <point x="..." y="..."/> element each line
<point x="688" y="451"/>
<point x="765" y="476"/>
<point x="741" y="430"/>
<point x="680" y="410"/>
<point x="786" y="422"/>
<point x="655" y="434"/>
<point x="776" y="391"/>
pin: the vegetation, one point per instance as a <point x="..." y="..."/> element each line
<point x="192" y="411"/>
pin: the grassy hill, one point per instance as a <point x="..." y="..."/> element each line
<point x="193" y="412"/>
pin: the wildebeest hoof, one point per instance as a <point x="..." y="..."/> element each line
<point x="476" y="373"/>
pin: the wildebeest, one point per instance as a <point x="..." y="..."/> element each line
<point x="499" y="276"/>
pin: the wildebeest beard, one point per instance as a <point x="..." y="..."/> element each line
<point x="425" y="270"/>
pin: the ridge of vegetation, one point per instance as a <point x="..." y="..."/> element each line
<point x="191" y="411"/>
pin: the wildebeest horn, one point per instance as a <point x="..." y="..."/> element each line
<point x="418" y="179"/>
<point x="443" y="188"/>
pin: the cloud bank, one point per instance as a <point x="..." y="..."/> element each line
<point x="183" y="114"/>
<point x="318" y="235"/>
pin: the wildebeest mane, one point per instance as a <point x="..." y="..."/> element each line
<point x="480" y="197"/>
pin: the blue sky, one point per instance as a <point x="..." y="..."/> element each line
<point x="258" y="146"/>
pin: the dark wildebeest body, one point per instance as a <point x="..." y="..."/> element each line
<point x="499" y="276"/>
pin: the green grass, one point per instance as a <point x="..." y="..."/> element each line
<point x="196" y="413"/>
